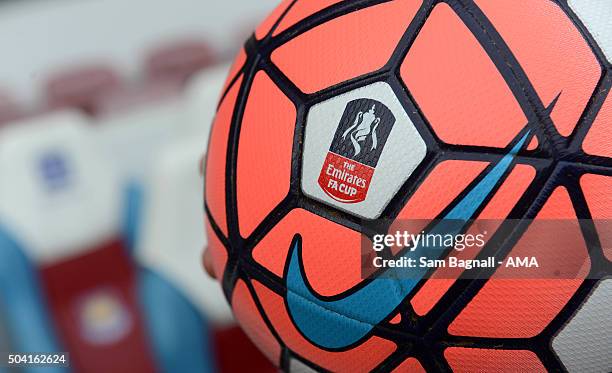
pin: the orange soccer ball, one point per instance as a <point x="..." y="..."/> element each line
<point x="340" y="118"/>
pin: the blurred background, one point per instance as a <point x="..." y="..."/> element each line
<point x="105" y="111"/>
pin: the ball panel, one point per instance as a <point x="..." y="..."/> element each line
<point x="599" y="200"/>
<point x="266" y="138"/>
<point x="344" y="48"/>
<point x="583" y="345"/>
<point x="332" y="260"/>
<point x="266" y="26"/>
<point x="362" y="358"/>
<point x="216" y="158"/>
<point x="410" y="365"/>
<point x="518" y="308"/>
<point x="248" y="316"/>
<point x="599" y="139"/>
<point x="301" y="10"/>
<point x="473" y="91"/>
<point x="396" y="319"/>
<point x="596" y="15"/>
<point x="558" y="60"/>
<point x="490" y="361"/>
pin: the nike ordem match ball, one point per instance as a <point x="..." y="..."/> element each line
<point x="342" y="118"/>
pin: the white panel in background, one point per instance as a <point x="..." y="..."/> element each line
<point x="132" y="140"/>
<point x="597" y="17"/>
<point x="58" y="195"/>
<point x="296" y="366"/>
<point x="584" y="345"/>
<point x="172" y="233"/>
<point x="201" y="97"/>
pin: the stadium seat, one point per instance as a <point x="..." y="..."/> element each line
<point x="137" y="97"/>
<point x="180" y="60"/>
<point x="9" y="109"/>
<point x="82" y="87"/>
<point x="132" y="138"/>
<point x="202" y="94"/>
<point x="171" y="236"/>
<point x="171" y="242"/>
<point x="135" y="126"/>
<point x="67" y="282"/>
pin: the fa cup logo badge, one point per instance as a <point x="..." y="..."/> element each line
<point x="365" y="125"/>
<point x="355" y="150"/>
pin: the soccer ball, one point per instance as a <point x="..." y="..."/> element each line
<point x="341" y="118"/>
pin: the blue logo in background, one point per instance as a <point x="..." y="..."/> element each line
<point x="54" y="171"/>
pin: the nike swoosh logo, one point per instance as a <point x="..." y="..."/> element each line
<point x="340" y="321"/>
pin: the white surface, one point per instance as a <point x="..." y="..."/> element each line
<point x="585" y="343"/>
<point x="403" y="152"/>
<point x="53" y="224"/>
<point x="172" y="235"/>
<point x="201" y="98"/>
<point x="132" y="140"/>
<point x="39" y="37"/>
<point x="160" y="145"/>
<point x="296" y="366"/>
<point x="597" y="17"/>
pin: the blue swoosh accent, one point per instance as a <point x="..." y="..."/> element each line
<point x="335" y="324"/>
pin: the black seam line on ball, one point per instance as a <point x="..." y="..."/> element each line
<point x="231" y="271"/>
<point x="216" y="229"/>
<point x="277" y="22"/>
<point x="262" y="311"/>
<point x="594" y="109"/>
<point x="574" y="151"/>
<point x="511" y="71"/>
<point x="603" y="86"/>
